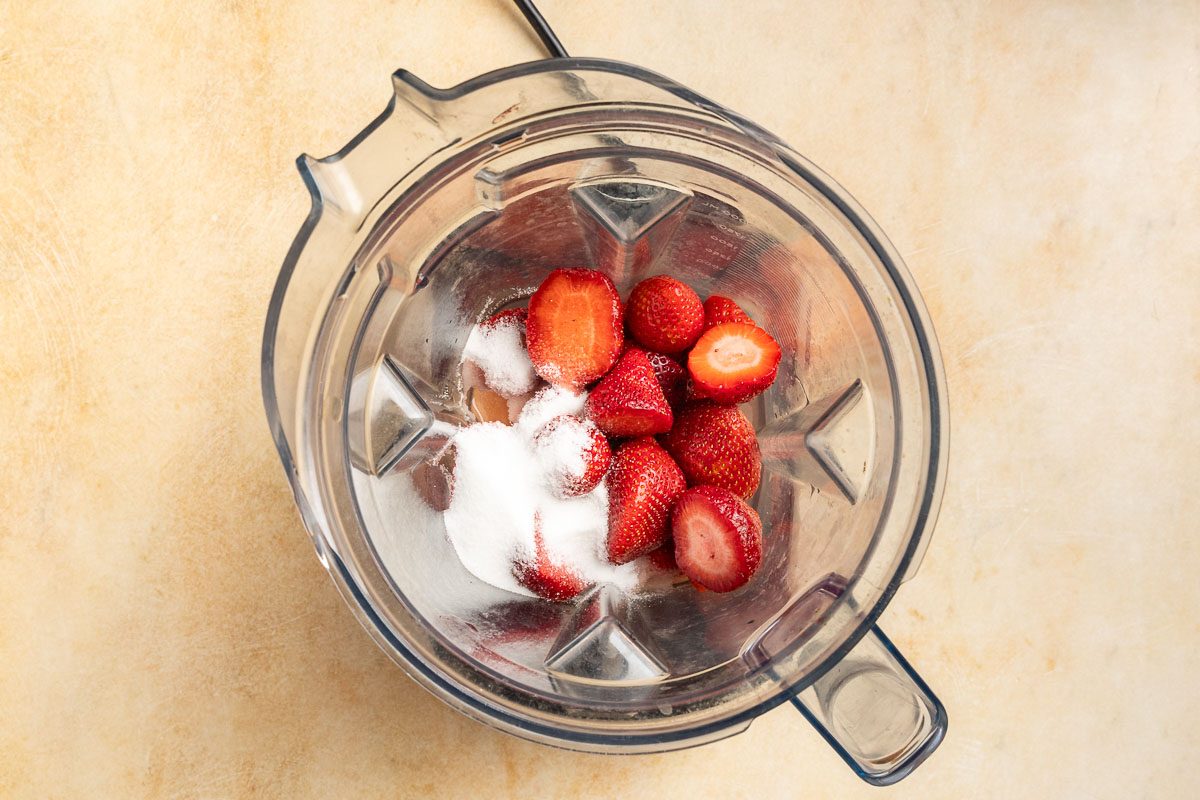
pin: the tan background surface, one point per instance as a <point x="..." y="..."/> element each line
<point x="165" y="630"/>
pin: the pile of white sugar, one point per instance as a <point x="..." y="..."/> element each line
<point x="499" y="352"/>
<point x="502" y="481"/>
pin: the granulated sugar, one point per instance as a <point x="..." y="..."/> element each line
<point x="499" y="352"/>
<point x="561" y="448"/>
<point x="545" y="406"/>
<point x="500" y="484"/>
<point x="490" y="517"/>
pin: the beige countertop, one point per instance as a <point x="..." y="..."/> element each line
<point x="165" y="629"/>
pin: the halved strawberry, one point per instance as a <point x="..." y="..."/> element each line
<point x="718" y="538"/>
<point x="733" y="362"/>
<point x="574" y="454"/>
<point x="629" y="401"/>
<point x="643" y="484"/>
<point x="574" y="331"/>
<point x="715" y="444"/>
<point x="434" y="481"/>
<point x="664" y="314"/>
<point x="718" y="309"/>
<point x="545" y="578"/>
<point x="496" y="353"/>
<point x="671" y="375"/>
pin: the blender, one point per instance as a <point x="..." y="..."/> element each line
<point x="455" y="203"/>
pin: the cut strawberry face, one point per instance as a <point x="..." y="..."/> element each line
<point x="733" y="362"/>
<point x="718" y="538"/>
<point x="664" y="315"/>
<point x="574" y="329"/>
<point x="643" y="484"/>
<point x="629" y="401"/>
<point x="718" y="309"/>
<point x="715" y="444"/>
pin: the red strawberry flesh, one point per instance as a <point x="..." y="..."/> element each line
<point x="574" y="330"/>
<point x="629" y="401"/>
<point x="718" y="538"/>
<point x="643" y="484"/>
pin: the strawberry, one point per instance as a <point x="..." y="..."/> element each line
<point x="574" y="331"/>
<point x="718" y="538"/>
<point x="715" y="444"/>
<point x="629" y="401"/>
<point x="496" y="353"/>
<point x="574" y="453"/>
<point x="691" y="391"/>
<point x="434" y="483"/>
<point x="517" y="315"/>
<point x="718" y="309"/>
<point x="671" y="375"/>
<point x="733" y="362"/>
<point x="664" y="557"/>
<point x="664" y="315"/>
<point x="642" y="485"/>
<point x="545" y="578"/>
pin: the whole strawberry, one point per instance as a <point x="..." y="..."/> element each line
<point x="643" y="484"/>
<point x="715" y="444"/>
<point x="670" y="372"/>
<point x="664" y="315"/>
<point x="517" y="316"/>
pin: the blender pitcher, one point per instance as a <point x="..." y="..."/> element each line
<point x="455" y="203"/>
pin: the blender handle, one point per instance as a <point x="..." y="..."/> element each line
<point x="875" y="711"/>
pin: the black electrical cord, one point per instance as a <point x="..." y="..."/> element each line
<point x="541" y="28"/>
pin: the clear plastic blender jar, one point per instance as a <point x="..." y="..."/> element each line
<point x="454" y="203"/>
